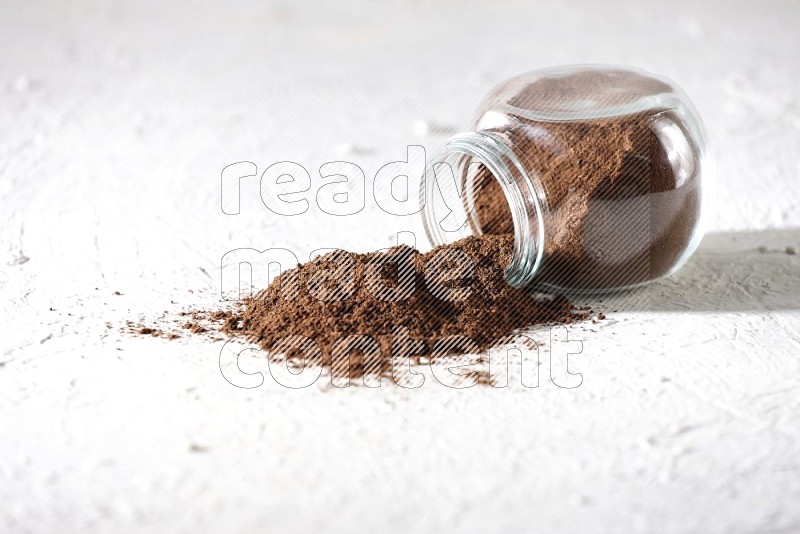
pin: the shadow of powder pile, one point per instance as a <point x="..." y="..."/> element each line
<point x="358" y="305"/>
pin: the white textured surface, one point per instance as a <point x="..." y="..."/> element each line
<point x="116" y="121"/>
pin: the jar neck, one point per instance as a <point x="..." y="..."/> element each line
<point x="524" y="194"/>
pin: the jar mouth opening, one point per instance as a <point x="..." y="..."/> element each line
<point x="449" y="189"/>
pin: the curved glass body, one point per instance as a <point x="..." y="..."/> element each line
<point x="600" y="173"/>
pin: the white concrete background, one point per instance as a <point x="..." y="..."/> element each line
<point x="115" y="123"/>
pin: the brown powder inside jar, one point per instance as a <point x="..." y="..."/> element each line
<point x="616" y="215"/>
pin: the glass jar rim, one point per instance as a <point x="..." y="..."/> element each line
<point x="523" y="193"/>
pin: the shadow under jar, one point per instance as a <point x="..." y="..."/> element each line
<point x="600" y="173"/>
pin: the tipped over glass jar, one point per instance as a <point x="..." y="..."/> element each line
<point x="600" y="173"/>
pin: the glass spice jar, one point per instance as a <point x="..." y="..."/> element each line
<point x="600" y="173"/>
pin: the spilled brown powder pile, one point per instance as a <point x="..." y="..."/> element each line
<point x="454" y="290"/>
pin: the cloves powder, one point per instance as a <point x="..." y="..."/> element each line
<point x="354" y="305"/>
